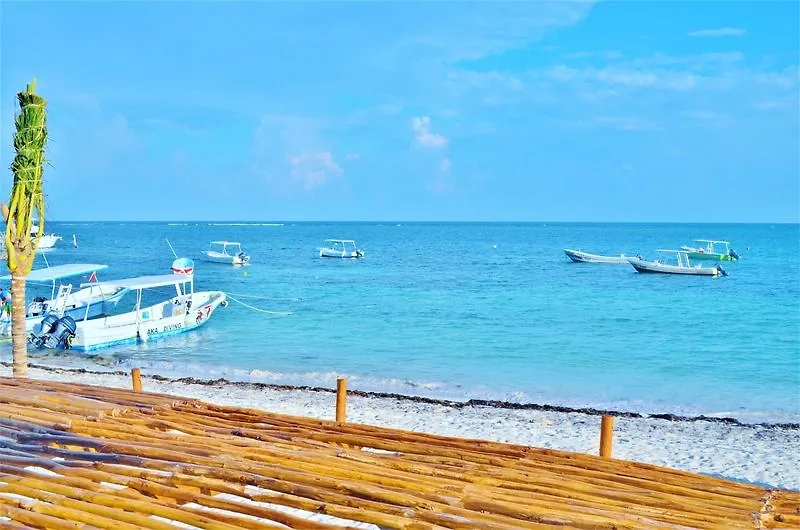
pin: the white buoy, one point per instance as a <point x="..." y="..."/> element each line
<point x="74" y="241"/>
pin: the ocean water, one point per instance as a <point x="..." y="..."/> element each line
<point x="471" y="310"/>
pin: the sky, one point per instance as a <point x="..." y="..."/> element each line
<point x="418" y="111"/>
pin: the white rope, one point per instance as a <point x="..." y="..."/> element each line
<point x="248" y="306"/>
<point x="253" y="297"/>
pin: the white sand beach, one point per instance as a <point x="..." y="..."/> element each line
<point x="763" y="455"/>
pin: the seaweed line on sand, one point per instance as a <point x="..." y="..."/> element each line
<point x="419" y="399"/>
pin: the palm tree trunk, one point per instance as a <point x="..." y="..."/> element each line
<point x="19" y="337"/>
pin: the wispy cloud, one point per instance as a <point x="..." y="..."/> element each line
<point x="445" y="165"/>
<point x="718" y="32"/>
<point x="352" y="156"/>
<point x="623" y="123"/>
<point x="313" y="170"/>
<point x="291" y="154"/>
<point x="423" y="134"/>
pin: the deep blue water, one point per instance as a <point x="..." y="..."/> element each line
<point x="478" y="311"/>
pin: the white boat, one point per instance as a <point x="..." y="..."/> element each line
<point x="62" y="301"/>
<point x="185" y="311"/>
<point x="579" y="256"/>
<point x="341" y="248"/>
<point x="229" y="252"/>
<point x="47" y="241"/>
<point x="683" y="266"/>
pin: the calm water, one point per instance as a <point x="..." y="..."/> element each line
<point x="478" y="310"/>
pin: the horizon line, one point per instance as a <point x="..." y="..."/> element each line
<point x="276" y="222"/>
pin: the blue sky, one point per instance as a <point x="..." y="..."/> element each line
<point x="610" y="111"/>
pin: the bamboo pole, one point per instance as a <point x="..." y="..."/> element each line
<point x="606" y="435"/>
<point x="136" y="377"/>
<point x="341" y="400"/>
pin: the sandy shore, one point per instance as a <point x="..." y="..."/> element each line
<point x="765" y="455"/>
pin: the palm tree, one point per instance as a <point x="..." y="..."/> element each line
<point x="26" y="200"/>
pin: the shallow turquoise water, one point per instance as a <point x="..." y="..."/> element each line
<point x="479" y="311"/>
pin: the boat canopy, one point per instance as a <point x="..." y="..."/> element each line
<point x="672" y="251"/>
<point x="144" y="282"/>
<point x="57" y="272"/>
<point x="340" y="241"/>
<point x="714" y="241"/>
<point x="225" y="243"/>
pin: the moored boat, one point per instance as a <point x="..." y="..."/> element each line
<point x="63" y="301"/>
<point x="229" y="252"/>
<point x="710" y="250"/>
<point x="578" y="256"/>
<point x="340" y="248"/>
<point x="683" y="266"/>
<point x="179" y="314"/>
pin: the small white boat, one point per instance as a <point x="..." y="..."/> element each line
<point x="579" y="256"/>
<point x="185" y="311"/>
<point x="340" y="248"/>
<point x="62" y="301"/>
<point x="229" y="252"/>
<point x="47" y="241"/>
<point x="683" y="266"/>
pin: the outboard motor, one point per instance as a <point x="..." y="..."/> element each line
<point x="733" y="254"/>
<point x="62" y="333"/>
<point x="721" y="271"/>
<point x="46" y="326"/>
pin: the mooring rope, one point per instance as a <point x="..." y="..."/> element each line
<point x="248" y="306"/>
<point x="254" y="297"/>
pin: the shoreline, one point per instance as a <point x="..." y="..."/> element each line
<point x="750" y="453"/>
<point x="496" y="404"/>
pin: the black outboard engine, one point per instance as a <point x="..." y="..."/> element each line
<point x="62" y="333"/>
<point x="721" y="271"/>
<point x="733" y="254"/>
<point x="46" y="326"/>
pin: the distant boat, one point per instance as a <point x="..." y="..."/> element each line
<point x="683" y="266"/>
<point x="341" y="248"/>
<point x="47" y="241"/>
<point x="710" y="251"/>
<point x="579" y="256"/>
<point x="229" y="252"/>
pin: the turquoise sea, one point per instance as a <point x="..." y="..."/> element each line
<point x="472" y="310"/>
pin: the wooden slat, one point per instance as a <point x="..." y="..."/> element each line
<point x="126" y="459"/>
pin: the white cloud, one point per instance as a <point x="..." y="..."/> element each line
<point x="313" y="170"/>
<point x="424" y="137"/>
<point x="445" y="165"/>
<point x="718" y="32"/>
<point x="352" y="156"/>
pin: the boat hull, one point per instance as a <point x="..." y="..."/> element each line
<point x="710" y="257"/>
<point x="578" y="256"/>
<point x="48" y="241"/>
<point x="330" y="253"/>
<point x="155" y="322"/>
<point x="218" y="257"/>
<point x="652" y="267"/>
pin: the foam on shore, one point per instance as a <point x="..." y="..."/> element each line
<point x="762" y="454"/>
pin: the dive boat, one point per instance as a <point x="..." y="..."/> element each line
<point x="340" y="248"/>
<point x="183" y="312"/>
<point x="683" y="266"/>
<point x="229" y="252"/>
<point x="63" y="301"/>
<point x="710" y="251"/>
<point x="579" y="256"/>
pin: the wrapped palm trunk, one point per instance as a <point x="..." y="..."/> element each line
<point x="27" y="200"/>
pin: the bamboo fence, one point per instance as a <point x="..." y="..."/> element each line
<point x="76" y="456"/>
